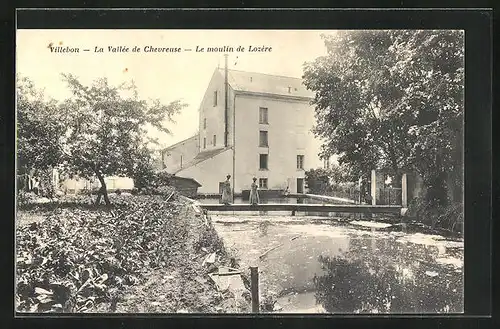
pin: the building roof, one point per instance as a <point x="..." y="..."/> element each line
<point x="202" y="156"/>
<point x="181" y="142"/>
<point x="186" y="179"/>
<point x="266" y="84"/>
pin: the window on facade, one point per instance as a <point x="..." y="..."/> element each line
<point x="215" y="98"/>
<point x="215" y="140"/>
<point x="263" y="139"/>
<point x="300" y="162"/>
<point x="263" y="161"/>
<point x="204" y="143"/>
<point x="263" y="115"/>
<point x="262" y="182"/>
<point x="205" y="123"/>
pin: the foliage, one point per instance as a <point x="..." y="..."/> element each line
<point x="47" y="188"/>
<point x="338" y="174"/>
<point x="86" y="259"/>
<point x="268" y="302"/>
<point x="107" y="131"/>
<point x="157" y="183"/>
<point x="25" y="198"/>
<point x="209" y="240"/>
<point x="143" y="174"/>
<point x="39" y="128"/>
<point x="449" y="217"/>
<point x="77" y="258"/>
<point x="162" y="178"/>
<point x="391" y="100"/>
<point x="331" y="181"/>
<point x="100" y="131"/>
<point x="318" y="180"/>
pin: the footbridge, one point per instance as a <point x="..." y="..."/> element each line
<point x="341" y="208"/>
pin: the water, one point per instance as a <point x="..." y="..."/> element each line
<point x="327" y="266"/>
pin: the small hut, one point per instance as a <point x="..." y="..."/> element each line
<point x="186" y="186"/>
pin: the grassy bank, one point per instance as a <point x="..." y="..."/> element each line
<point x="142" y="255"/>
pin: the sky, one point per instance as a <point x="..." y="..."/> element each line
<point x="163" y="76"/>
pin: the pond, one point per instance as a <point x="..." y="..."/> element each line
<point x="312" y="265"/>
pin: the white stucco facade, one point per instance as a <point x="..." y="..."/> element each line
<point x="112" y="183"/>
<point x="210" y="172"/>
<point x="290" y="118"/>
<point x="180" y="155"/>
<point x="289" y="135"/>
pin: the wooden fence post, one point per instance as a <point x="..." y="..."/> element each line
<point x="254" y="286"/>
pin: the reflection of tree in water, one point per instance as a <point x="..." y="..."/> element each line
<point x="372" y="284"/>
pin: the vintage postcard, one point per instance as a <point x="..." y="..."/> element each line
<point x="240" y="171"/>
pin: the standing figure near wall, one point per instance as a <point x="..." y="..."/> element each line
<point x="226" y="192"/>
<point x="254" y="194"/>
<point x="287" y="191"/>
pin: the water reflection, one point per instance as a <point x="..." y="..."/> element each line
<point x="346" y="270"/>
<point x="355" y="283"/>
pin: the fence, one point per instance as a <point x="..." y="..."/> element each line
<point x="351" y="194"/>
<point x="389" y="196"/>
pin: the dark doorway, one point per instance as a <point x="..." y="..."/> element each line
<point x="300" y="185"/>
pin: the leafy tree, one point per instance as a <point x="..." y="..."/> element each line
<point x="39" y="129"/>
<point x="318" y="180"/>
<point x="392" y="100"/>
<point x="144" y="175"/>
<point x="107" y="130"/>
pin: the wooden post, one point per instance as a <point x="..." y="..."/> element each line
<point x="360" y="181"/>
<point x="374" y="188"/>
<point x="254" y="284"/>
<point x="404" y="191"/>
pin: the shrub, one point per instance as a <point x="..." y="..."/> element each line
<point x="24" y="198"/>
<point x="210" y="240"/>
<point x="449" y="217"/>
<point x="318" y="180"/>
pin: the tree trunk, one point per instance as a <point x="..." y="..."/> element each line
<point x="103" y="191"/>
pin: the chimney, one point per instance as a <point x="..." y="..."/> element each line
<point x="226" y="110"/>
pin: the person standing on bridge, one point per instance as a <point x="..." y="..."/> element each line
<point x="254" y="194"/>
<point x="226" y="191"/>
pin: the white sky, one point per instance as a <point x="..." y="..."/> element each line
<point x="166" y="76"/>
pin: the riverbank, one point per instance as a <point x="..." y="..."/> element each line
<point x="144" y="255"/>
